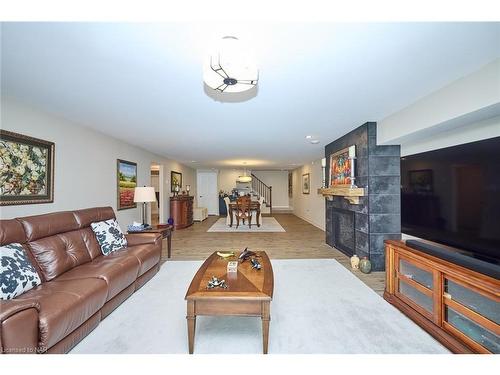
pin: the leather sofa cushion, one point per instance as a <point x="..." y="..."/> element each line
<point x="90" y="240"/>
<point x="65" y="305"/>
<point x="47" y="225"/>
<point x="90" y="215"/>
<point x="118" y="270"/>
<point x="148" y="256"/>
<point x="11" y="231"/>
<point x="60" y="253"/>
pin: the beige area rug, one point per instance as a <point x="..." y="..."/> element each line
<point x="269" y="224"/>
<point x="318" y="307"/>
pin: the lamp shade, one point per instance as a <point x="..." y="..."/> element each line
<point x="244" y="178"/>
<point x="144" y="194"/>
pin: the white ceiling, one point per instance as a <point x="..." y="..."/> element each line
<point x="143" y="82"/>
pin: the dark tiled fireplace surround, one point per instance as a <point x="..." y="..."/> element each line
<point x="362" y="228"/>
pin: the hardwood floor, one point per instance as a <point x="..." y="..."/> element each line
<point x="301" y="241"/>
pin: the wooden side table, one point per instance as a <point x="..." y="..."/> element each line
<point x="166" y="232"/>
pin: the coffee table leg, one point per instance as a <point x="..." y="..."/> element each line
<point x="266" y="318"/>
<point x="191" y="322"/>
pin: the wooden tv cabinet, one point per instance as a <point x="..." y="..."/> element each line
<point x="457" y="306"/>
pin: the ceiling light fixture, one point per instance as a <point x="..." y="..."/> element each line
<point x="309" y="136"/>
<point x="245" y="177"/>
<point x="231" y="67"/>
<point x="314" y="141"/>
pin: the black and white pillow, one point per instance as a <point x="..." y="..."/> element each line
<point x="109" y="235"/>
<point x="17" y="274"/>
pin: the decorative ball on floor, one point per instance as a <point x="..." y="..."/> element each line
<point x="365" y="265"/>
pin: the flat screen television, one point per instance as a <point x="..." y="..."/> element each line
<point x="452" y="196"/>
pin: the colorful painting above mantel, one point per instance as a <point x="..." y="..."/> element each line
<point x="26" y="169"/>
<point x="341" y="163"/>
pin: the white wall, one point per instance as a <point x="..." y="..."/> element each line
<point x="227" y="178"/>
<point x="85" y="164"/>
<point x="279" y="182"/>
<point x="476" y="131"/>
<point x="477" y="93"/>
<point x="309" y="207"/>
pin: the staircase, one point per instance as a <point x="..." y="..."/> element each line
<point x="259" y="187"/>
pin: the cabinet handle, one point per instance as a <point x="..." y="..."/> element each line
<point x="447" y="295"/>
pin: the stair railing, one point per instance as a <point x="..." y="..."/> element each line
<point x="264" y="191"/>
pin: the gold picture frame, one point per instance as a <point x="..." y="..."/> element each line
<point x="27" y="169"/>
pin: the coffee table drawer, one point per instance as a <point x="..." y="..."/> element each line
<point x="222" y="307"/>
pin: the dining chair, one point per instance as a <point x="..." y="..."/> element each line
<point x="243" y="211"/>
<point x="228" y="216"/>
<point x="261" y="205"/>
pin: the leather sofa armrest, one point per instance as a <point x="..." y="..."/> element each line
<point x="134" y="239"/>
<point x="19" y="326"/>
<point x="10" y="307"/>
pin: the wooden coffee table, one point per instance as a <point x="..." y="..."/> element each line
<point x="249" y="293"/>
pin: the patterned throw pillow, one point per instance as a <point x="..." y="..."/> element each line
<point x="17" y="274"/>
<point x="109" y="235"/>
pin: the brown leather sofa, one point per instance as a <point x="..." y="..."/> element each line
<point x="80" y="286"/>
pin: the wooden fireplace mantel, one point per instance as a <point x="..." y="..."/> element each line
<point x="351" y="194"/>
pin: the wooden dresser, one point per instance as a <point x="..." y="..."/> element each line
<point x="181" y="210"/>
<point x="456" y="305"/>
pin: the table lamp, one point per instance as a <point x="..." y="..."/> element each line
<point x="144" y="195"/>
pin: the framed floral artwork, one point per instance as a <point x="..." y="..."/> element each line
<point x="306" y="183"/>
<point x="176" y="181"/>
<point x="27" y="169"/>
<point x="341" y="164"/>
<point x="126" y="182"/>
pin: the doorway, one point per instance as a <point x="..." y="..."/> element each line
<point x="157" y="209"/>
<point x="206" y="187"/>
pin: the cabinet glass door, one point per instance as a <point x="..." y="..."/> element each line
<point x="416" y="296"/>
<point x="474" y="331"/>
<point x="472" y="314"/>
<point x="415" y="273"/>
<point x="478" y="303"/>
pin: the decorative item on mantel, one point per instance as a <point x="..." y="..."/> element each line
<point x="342" y="176"/>
<point x="323" y="169"/>
<point x="365" y="265"/>
<point x="355" y="262"/>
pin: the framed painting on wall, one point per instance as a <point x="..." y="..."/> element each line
<point x="176" y="181"/>
<point x="27" y="169"/>
<point x="126" y="182"/>
<point x="341" y="163"/>
<point x="306" y="183"/>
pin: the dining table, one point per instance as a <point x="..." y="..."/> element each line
<point x="254" y="206"/>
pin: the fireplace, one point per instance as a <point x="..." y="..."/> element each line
<point x="342" y="230"/>
<point x="362" y="228"/>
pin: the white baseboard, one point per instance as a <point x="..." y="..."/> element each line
<point x="310" y="222"/>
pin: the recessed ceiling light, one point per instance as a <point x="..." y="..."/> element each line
<point x="309" y="136"/>
<point x="314" y="141"/>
